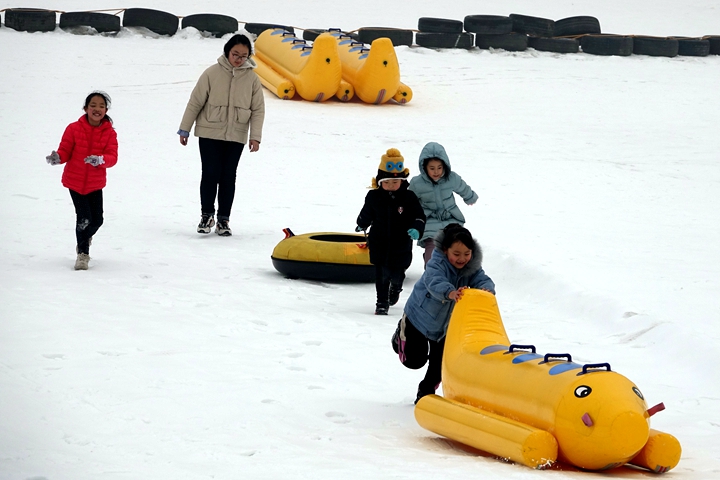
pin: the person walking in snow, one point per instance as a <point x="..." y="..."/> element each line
<point x="397" y="219"/>
<point x="455" y="264"/>
<point x="434" y="187"/>
<point x="88" y="148"/>
<point x="227" y="106"/>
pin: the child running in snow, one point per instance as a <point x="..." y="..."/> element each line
<point x="88" y="147"/>
<point x="455" y="264"/>
<point x="434" y="187"/>
<point x="397" y="219"/>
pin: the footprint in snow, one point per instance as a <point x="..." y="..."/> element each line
<point x="337" y="417"/>
<point x="54" y="356"/>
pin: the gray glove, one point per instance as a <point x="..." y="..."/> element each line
<point x="53" y="158"/>
<point x="94" y="160"/>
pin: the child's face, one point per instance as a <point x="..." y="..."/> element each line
<point x="391" y="185"/>
<point x="96" y="110"/>
<point x="435" y="169"/>
<point x="238" y="54"/>
<point x="458" y="254"/>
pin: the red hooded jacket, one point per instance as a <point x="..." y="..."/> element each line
<point x="78" y="142"/>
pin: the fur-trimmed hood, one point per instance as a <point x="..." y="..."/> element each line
<point x="475" y="262"/>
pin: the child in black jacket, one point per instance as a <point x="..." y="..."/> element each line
<point x="397" y="219"/>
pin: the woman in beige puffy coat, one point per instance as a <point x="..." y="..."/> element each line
<point x="227" y="107"/>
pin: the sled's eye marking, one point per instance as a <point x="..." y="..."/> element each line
<point x="582" y="391"/>
<point x="638" y="393"/>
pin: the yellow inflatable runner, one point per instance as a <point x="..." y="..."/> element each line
<point x="534" y="409"/>
<point x="314" y="71"/>
<point x="333" y="65"/>
<point x="374" y="71"/>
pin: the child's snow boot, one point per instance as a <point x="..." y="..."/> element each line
<point x="398" y="340"/>
<point x="423" y="391"/>
<point x="82" y="261"/>
<point x="394" y="294"/>
<point x="381" y="308"/>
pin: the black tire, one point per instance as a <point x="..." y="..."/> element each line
<point x="556" y="45"/>
<point x="607" y="45"/>
<point x="30" y="19"/>
<point x="439" y="25"/>
<point x="444" y="40"/>
<point x="101" y="22"/>
<point x="312" y="33"/>
<point x="488" y="24"/>
<point x="693" y="47"/>
<point x="512" y="42"/>
<point x="714" y="41"/>
<point x="655" y="46"/>
<point x="258" y="28"/>
<point x="217" y="25"/>
<point x="162" y="23"/>
<point x="539" y="27"/>
<point x="581" y="25"/>
<point x="397" y="36"/>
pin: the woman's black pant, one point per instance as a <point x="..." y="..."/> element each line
<point x="220" y="160"/>
<point x="415" y="350"/>
<point x="88" y="217"/>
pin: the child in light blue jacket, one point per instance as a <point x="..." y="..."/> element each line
<point x="456" y="264"/>
<point x="435" y="187"/>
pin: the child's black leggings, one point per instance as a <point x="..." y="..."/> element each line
<point x="415" y="350"/>
<point x="219" y="169"/>
<point x="89" y="217"/>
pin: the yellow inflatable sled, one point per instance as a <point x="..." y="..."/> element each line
<point x="324" y="256"/>
<point x="334" y="65"/>
<point x="314" y="71"/>
<point x="535" y="409"/>
<point x="374" y="72"/>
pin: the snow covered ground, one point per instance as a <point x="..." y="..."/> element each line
<point x="189" y="357"/>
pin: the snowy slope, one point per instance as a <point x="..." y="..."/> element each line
<point x="184" y="356"/>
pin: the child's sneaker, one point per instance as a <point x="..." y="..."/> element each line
<point x="223" y="228"/>
<point x="82" y="261"/>
<point x="394" y="294"/>
<point x="206" y="223"/>
<point x="381" y="309"/>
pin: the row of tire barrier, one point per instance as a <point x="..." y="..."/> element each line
<point x="513" y="33"/>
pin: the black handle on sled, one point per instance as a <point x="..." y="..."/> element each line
<point x="521" y="347"/>
<point x="548" y="356"/>
<point x="588" y="366"/>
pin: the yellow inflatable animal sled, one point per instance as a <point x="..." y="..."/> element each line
<point x="535" y="409"/>
<point x="334" y="65"/>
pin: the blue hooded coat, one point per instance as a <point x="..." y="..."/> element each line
<point x="437" y="198"/>
<point x="428" y="308"/>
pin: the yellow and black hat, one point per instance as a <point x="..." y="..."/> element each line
<point x="392" y="165"/>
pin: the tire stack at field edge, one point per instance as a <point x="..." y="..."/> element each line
<point x="511" y="33"/>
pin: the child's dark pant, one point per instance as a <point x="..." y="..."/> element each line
<point x="89" y="217"/>
<point x="219" y="169"/>
<point x="418" y="350"/>
<point x="384" y="277"/>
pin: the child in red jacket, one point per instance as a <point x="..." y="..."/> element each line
<point x="88" y="147"/>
